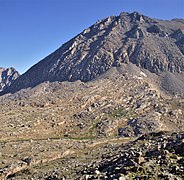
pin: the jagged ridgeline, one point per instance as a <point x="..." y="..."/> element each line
<point x="156" y="45"/>
<point x="7" y="76"/>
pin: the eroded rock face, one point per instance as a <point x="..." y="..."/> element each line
<point x="153" y="44"/>
<point x="7" y="76"/>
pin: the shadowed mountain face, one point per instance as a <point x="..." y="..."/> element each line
<point x="155" y="45"/>
<point x="7" y="76"/>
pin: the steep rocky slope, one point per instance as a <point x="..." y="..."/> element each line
<point x="7" y="76"/>
<point x="153" y="44"/>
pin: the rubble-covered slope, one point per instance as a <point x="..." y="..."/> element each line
<point x="152" y="156"/>
<point x="58" y="130"/>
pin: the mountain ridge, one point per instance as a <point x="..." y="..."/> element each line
<point x="7" y="76"/>
<point x="156" y="45"/>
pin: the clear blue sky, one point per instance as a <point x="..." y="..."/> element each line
<point x="31" y="29"/>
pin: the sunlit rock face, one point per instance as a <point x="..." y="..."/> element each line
<point x="156" y="45"/>
<point x="7" y="76"/>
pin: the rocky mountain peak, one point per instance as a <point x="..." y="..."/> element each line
<point x="136" y="16"/>
<point x="155" y="45"/>
<point x="7" y="76"/>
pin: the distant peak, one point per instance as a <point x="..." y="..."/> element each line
<point x="124" y="14"/>
<point x="135" y="16"/>
<point x="135" y="13"/>
<point x="9" y="68"/>
<point x="178" y="20"/>
<point x="7" y="76"/>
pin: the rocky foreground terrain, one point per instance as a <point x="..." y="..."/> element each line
<point x="100" y="118"/>
<point x="59" y="129"/>
<point x="7" y="76"/>
<point x="152" y="156"/>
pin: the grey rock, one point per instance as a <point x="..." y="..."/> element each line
<point x="142" y="125"/>
<point x="7" y="76"/>
<point x="156" y="45"/>
<point x="140" y="161"/>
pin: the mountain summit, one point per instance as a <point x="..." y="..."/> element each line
<point x="156" y="45"/>
<point x="7" y="76"/>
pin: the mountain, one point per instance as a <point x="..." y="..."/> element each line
<point x="100" y="107"/>
<point x="156" y="45"/>
<point x="7" y="76"/>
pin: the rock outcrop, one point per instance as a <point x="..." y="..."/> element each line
<point x="7" y="76"/>
<point x="152" y="156"/>
<point x="153" y="44"/>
